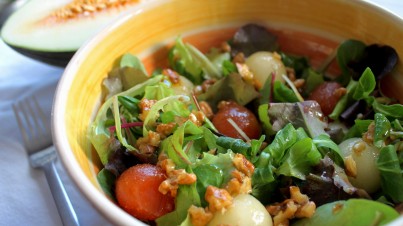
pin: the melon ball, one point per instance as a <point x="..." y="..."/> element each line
<point x="365" y="156"/>
<point x="263" y="64"/>
<point x="183" y="87"/>
<point x="245" y="210"/>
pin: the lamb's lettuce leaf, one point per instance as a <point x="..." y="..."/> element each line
<point x="391" y="171"/>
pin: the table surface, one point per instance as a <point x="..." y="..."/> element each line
<point x="26" y="198"/>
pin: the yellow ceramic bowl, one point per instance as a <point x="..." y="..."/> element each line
<point x="309" y="27"/>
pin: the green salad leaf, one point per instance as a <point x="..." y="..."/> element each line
<point x="99" y="133"/>
<point x="299" y="159"/>
<point x="391" y="171"/>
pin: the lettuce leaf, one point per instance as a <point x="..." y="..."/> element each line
<point x="99" y="134"/>
<point x="299" y="159"/>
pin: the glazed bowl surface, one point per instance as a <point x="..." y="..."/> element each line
<point x="306" y="27"/>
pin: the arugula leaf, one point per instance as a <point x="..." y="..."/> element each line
<point x="391" y="173"/>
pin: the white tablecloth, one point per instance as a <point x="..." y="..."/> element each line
<point x="25" y="196"/>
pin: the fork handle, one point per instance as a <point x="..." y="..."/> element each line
<point x="62" y="201"/>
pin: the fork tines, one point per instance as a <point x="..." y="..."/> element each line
<point x="32" y="121"/>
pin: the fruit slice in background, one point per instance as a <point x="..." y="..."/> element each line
<point x="52" y="31"/>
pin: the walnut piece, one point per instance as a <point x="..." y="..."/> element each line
<point x="297" y="206"/>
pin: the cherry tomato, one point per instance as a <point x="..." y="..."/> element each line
<point x="327" y="95"/>
<point x="137" y="192"/>
<point x="242" y="116"/>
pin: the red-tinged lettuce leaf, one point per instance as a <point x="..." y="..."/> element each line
<point x="380" y="58"/>
<point x="252" y="38"/>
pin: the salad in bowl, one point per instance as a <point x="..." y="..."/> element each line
<point x="246" y="133"/>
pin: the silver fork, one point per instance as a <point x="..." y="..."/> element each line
<point x="35" y="131"/>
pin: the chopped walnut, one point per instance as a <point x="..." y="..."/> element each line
<point x="297" y="206"/>
<point x="175" y="178"/>
<point x="351" y="167"/>
<point x="369" y="135"/>
<point x="340" y="92"/>
<point x="290" y="73"/>
<point x="199" y="216"/>
<point x="197" y="117"/>
<point x="245" y="72"/>
<point x="207" y="83"/>
<point x="225" y="47"/>
<point x="164" y="129"/>
<point x="239" y="58"/>
<point x="359" y="147"/>
<point x="282" y="215"/>
<point x="299" y="83"/>
<point x="172" y="75"/>
<point x="218" y="199"/>
<point x="242" y="164"/>
<point x="145" y="106"/>
<point x="149" y="143"/>
<point x="239" y="184"/>
<point x="206" y="109"/>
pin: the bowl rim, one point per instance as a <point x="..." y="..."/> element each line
<point x="112" y="212"/>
